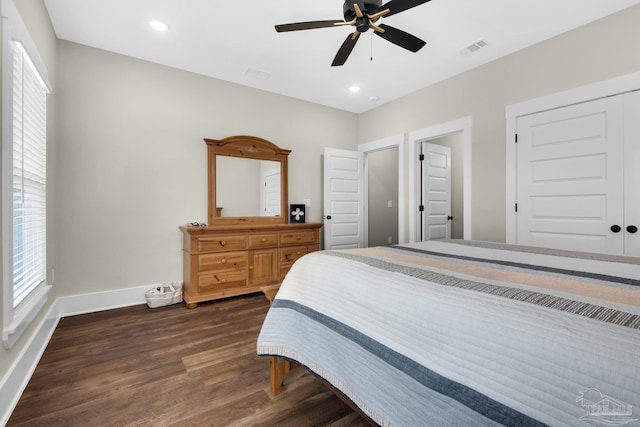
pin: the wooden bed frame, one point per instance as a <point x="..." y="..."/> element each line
<point x="280" y="367"/>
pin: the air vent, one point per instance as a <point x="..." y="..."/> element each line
<point x="473" y="47"/>
<point x="257" y="74"/>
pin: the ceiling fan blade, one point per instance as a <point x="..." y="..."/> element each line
<point x="297" y="26"/>
<point x="400" y="38"/>
<point x="397" y="6"/>
<point x="345" y="49"/>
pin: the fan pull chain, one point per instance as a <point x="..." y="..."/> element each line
<point x="371" y="59"/>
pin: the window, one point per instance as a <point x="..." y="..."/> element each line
<point x="29" y="176"/>
<point x="23" y="181"/>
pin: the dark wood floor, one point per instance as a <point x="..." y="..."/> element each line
<point x="166" y="366"/>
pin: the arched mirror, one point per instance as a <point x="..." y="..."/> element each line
<point x="247" y="181"/>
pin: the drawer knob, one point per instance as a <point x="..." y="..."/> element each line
<point x="223" y="243"/>
<point x="298" y="237"/>
<point x="298" y="253"/>
<point x="264" y="240"/>
<point x="223" y="280"/>
<point x="223" y="261"/>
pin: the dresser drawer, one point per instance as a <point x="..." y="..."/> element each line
<point x="222" y="261"/>
<point x="289" y="255"/>
<point x="266" y="240"/>
<point x="220" y="280"/>
<point x="297" y="237"/>
<point x="221" y="243"/>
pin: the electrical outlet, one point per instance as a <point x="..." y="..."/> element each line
<point x="307" y="202"/>
<point x="390" y="239"/>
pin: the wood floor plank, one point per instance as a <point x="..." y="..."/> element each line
<point x="170" y="366"/>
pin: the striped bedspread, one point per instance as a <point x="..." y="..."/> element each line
<point x="465" y="333"/>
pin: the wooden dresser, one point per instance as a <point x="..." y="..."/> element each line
<point x="224" y="261"/>
<point x="248" y="245"/>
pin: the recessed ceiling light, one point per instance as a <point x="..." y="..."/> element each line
<point x="158" y="26"/>
<point x="354" y="89"/>
<point x="373" y="98"/>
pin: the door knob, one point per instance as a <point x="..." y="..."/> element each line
<point x="616" y="228"/>
<point x="449" y="218"/>
<point x="328" y="216"/>
<point x="632" y="229"/>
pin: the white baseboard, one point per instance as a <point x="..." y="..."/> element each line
<point x="99" y="301"/>
<point x="17" y="378"/>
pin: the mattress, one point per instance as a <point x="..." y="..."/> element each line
<point x="451" y="332"/>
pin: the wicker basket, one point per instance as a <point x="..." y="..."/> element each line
<point x="165" y="294"/>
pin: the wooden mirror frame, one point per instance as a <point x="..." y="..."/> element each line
<point x="249" y="147"/>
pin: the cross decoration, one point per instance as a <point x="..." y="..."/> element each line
<point x="297" y="214"/>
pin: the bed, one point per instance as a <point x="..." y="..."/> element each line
<point x="450" y="332"/>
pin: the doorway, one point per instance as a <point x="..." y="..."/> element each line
<point x="382" y="197"/>
<point x="346" y="213"/>
<point x="457" y="135"/>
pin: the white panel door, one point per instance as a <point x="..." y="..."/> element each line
<point x="570" y="177"/>
<point x="343" y="199"/>
<point x="632" y="173"/>
<point x="272" y="193"/>
<point x="436" y="192"/>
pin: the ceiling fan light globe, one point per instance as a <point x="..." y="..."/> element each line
<point x="362" y="24"/>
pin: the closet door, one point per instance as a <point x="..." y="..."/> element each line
<point x="632" y="173"/>
<point x="435" y="169"/>
<point x="570" y="177"/>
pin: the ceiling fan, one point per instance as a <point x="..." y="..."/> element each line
<point x="363" y="14"/>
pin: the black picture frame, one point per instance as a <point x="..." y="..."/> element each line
<point x="296" y="214"/>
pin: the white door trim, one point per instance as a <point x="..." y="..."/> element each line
<point x="463" y="125"/>
<point x="383" y="144"/>
<point x="614" y="86"/>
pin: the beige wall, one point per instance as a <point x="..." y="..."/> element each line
<point x="598" y="51"/>
<point x="132" y="161"/>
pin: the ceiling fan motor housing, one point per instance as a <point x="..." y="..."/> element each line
<point x="370" y="7"/>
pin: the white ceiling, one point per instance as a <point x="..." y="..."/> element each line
<point x="236" y="40"/>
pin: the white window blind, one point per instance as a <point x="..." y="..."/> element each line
<point x="29" y="176"/>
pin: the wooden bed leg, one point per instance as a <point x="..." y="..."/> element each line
<point x="270" y="291"/>
<point x="279" y="369"/>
